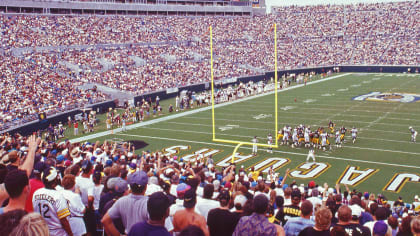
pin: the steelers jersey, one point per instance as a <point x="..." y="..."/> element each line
<point x="52" y="206"/>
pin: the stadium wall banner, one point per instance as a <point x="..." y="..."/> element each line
<point x="172" y="90"/>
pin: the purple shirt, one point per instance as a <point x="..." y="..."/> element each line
<point x="255" y="225"/>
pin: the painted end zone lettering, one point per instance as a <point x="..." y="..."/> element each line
<point x="239" y="157"/>
<point x="170" y="151"/>
<point x="275" y="162"/>
<point x="309" y="170"/>
<point x="353" y="176"/>
<point x="399" y="180"/>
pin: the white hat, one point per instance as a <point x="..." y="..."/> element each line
<point x="241" y="199"/>
<point x="356" y="210"/>
<point x="416" y="197"/>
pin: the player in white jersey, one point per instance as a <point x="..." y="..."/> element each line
<point x="254" y="145"/>
<point x="354" y="134"/>
<point x="337" y="139"/>
<point x="51" y="204"/>
<point x="285" y="135"/>
<point x="323" y="140"/>
<point x="311" y="155"/>
<point x="270" y="142"/>
<point x="413" y="134"/>
<point x="294" y="138"/>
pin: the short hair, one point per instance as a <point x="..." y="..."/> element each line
<point x="279" y="201"/>
<point x="415" y="225"/>
<point x="260" y="204"/>
<point x="380" y="213"/>
<point x="393" y="222"/>
<point x="10" y="220"/>
<point x="115" y="170"/>
<point x="31" y="224"/>
<point x="344" y="213"/>
<point x="323" y="218"/>
<point x="208" y="191"/>
<point x="15" y="182"/>
<point x="288" y="191"/>
<point x="306" y="208"/>
<point x="338" y="231"/>
<point x="191" y="230"/>
<point x="68" y="181"/>
<point x="136" y="189"/>
<point x="157" y="206"/>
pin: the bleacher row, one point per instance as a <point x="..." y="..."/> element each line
<point x="144" y="54"/>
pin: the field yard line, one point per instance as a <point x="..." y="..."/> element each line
<point x="244" y="136"/>
<point x="149" y="122"/>
<point x="383" y="116"/>
<point x="294" y="153"/>
<point x="182" y="123"/>
<point x="252" y="121"/>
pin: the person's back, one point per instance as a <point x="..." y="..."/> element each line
<point x="322" y="223"/>
<point x="220" y="220"/>
<point x="297" y="224"/>
<point x="158" y="209"/>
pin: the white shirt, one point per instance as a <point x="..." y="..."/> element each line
<point x="77" y="209"/>
<point x="204" y="205"/>
<point x="52" y="206"/>
<point x="97" y="190"/>
<point x="86" y="186"/>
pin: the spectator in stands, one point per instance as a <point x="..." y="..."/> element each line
<point x="132" y="208"/>
<point x="296" y="224"/>
<point x="405" y="227"/>
<point x="10" y="220"/>
<point x="17" y="187"/>
<point x="158" y="209"/>
<point x="31" y="224"/>
<point x="75" y="205"/>
<point x="380" y="215"/>
<point x="188" y="216"/>
<point x="206" y="203"/>
<point x="322" y="224"/>
<point x="220" y="220"/>
<point x="293" y="210"/>
<point x="415" y="226"/>
<point x="35" y="183"/>
<point x="356" y="213"/>
<point x="257" y="223"/>
<point x="192" y="230"/>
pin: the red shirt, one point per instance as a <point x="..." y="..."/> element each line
<point x="34" y="185"/>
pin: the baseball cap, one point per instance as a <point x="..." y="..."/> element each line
<point x="190" y="198"/>
<point x="67" y="163"/>
<point x="120" y="185"/>
<point x="132" y="167"/>
<point x="240" y="199"/>
<point x="49" y="175"/>
<point x="138" y="178"/>
<point x="311" y="184"/>
<point x="224" y="195"/>
<point x="416" y="197"/>
<point x="60" y="158"/>
<point x="181" y="189"/>
<point x="108" y="162"/>
<point x="356" y="210"/>
<point x="380" y="228"/>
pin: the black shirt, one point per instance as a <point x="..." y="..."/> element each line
<point x="221" y="222"/>
<point x="310" y="231"/>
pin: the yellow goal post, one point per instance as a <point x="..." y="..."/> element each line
<point x="240" y="143"/>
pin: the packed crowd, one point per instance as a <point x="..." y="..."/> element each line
<point x="77" y="188"/>
<point x="155" y="53"/>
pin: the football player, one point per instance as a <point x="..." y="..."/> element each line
<point x="331" y="125"/>
<point x="337" y="139"/>
<point x="343" y="131"/>
<point x="254" y="146"/>
<point x="311" y="155"/>
<point x="324" y="140"/>
<point x="353" y="134"/>
<point x="280" y="135"/>
<point x="413" y="134"/>
<point x="270" y="142"/>
<point x="51" y="204"/>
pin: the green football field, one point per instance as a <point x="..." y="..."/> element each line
<point x="383" y="160"/>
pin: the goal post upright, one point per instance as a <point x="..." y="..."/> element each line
<point x="239" y="143"/>
<point x="212" y="84"/>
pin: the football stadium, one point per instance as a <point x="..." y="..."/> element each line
<point x="209" y="117"/>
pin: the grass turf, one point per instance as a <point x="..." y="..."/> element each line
<point x="383" y="141"/>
